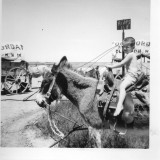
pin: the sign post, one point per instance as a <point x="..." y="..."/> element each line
<point x="122" y="25"/>
<point x="123" y="69"/>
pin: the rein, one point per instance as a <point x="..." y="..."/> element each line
<point x="100" y="55"/>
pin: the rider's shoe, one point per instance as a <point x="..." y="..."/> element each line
<point x="118" y="111"/>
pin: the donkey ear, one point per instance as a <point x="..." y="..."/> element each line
<point x="62" y="61"/>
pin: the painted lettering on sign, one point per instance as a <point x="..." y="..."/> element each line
<point x="141" y="46"/>
<point x="12" y="46"/>
<point x="12" y="51"/>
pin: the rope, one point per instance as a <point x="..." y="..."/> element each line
<point x="98" y="56"/>
<point x="54" y="112"/>
<point x="73" y="130"/>
<point x="56" y="131"/>
<point x="26" y="99"/>
<point x="101" y="57"/>
<point x="52" y="124"/>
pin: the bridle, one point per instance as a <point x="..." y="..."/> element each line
<point x="48" y="94"/>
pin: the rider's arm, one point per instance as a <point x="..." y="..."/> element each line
<point x="122" y="63"/>
<point x="117" y="59"/>
<point x="146" y="55"/>
<point x="139" y="56"/>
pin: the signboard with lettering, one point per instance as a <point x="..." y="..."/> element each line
<point x="141" y="46"/>
<point x="12" y="51"/>
<point x="124" y="24"/>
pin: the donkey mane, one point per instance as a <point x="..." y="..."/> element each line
<point x="75" y="86"/>
<point x="79" y="81"/>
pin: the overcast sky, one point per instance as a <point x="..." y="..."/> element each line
<point x="79" y="29"/>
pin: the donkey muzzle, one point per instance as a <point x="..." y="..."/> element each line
<point x="41" y="100"/>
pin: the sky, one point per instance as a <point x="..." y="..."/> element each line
<point x="78" y="29"/>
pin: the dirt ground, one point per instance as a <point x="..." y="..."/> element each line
<point x="16" y="115"/>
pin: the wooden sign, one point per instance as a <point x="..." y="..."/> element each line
<point x="124" y="24"/>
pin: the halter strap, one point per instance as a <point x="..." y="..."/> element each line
<point x="50" y="88"/>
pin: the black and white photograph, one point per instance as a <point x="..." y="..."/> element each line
<point x="76" y="74"/>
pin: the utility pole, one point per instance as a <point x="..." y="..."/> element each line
<point x="122" y="25"/>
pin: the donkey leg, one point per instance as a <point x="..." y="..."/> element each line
<point x="95" y="135"/>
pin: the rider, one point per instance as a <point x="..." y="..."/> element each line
<point x="130" y="61"/>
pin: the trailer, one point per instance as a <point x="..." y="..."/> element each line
<point x="15" y="78"/>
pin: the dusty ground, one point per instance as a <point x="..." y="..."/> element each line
<point x="16" y="116"/>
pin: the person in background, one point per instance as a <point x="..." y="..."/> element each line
<point x="108" y="78"/>
<point x="97" y="72"/>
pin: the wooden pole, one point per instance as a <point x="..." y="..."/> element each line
<point x="123" y="69"/>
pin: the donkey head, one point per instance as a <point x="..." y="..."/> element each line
<point x="49" y="90"/>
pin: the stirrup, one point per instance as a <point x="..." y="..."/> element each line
<point x="116" y="131"/>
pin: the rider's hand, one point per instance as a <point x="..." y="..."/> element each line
<point x="109" y="67"/>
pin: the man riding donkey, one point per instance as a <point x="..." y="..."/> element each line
<point x="133" y="72"/>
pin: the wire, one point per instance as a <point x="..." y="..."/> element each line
<point x="101" y="57"/>
<point x="98" y="56"/>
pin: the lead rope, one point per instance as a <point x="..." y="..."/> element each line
<point x="52" y="124"/>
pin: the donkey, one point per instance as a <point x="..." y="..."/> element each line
<point x="81" y="91"/>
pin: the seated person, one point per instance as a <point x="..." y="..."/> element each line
<point x="133" y="72"/>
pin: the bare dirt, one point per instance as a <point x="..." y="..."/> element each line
<point x="19" y="118"/>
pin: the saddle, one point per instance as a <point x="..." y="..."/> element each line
<point x="141" y="82"/>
